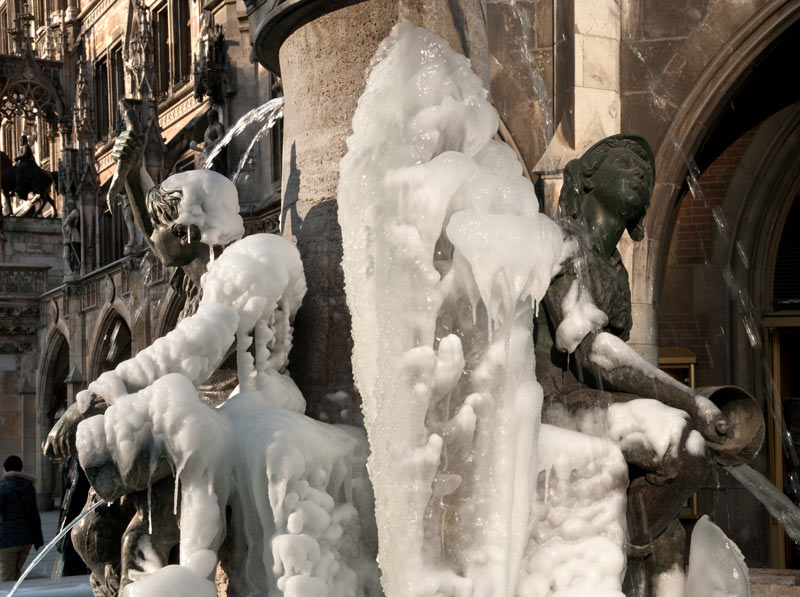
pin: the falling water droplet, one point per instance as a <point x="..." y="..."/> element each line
<point x="720" y="221"/>
<point x="742" y="254"/>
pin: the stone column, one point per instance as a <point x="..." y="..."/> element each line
<point x="587" y="80"/>
<point x="644" y="334"/>
<point x="323" y="64"/>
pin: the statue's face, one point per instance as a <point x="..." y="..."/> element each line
<point x="171" y="240"/>
<point x="622" y="183"/>
<point x="173" y="246"/>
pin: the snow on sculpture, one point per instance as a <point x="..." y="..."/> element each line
<point x="446" y="260"/>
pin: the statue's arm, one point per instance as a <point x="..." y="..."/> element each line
<point x="137" y="183"/>
<point x="128" y="153"/>
<point x="628" y="373"/>
<point x="60" y="442"/>
<point x="69" y="220"/>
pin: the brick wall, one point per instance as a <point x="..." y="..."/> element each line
<point x="686" y="317"/>
<point x="696" y="230"/>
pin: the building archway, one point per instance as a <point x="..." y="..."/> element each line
<point x="716" y="299"/>
<point x="694" y="122"/>
<point x="51" y="405"/>
<point x="170" y="315"/>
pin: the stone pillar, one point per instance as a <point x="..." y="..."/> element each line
<point x="587" y="82"/>
<point x="323" y="66"/>
<point x="644" y="334"/>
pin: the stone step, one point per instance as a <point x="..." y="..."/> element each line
<point x="767" y="582"/>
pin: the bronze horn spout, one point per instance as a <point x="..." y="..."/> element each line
<point x="745" y="435"/>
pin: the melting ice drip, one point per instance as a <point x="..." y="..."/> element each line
<point x="446" y="258"/>
<point x="295" y="485"/>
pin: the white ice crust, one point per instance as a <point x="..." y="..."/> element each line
<point x="650" y="423"/>
<point x="210" y="202"/>
<point x="446" y="258"/>
<point x="610" y="352"/>
<point x="254" y="288"/>
<point x="580" y="316"/>
<point x="299" y="485"/>
<point x="671" y="583"/>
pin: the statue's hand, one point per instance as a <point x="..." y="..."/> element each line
<point x="710" y="421"/>
<point x="128" y="152"/>
<point x="60" y="442"/>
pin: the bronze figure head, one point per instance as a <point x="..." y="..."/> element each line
<point x="619" y="172"/>
<point x="171" y="240"/>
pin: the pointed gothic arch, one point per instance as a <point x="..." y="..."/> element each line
<point x="112" y="344"/>
<point x="693" y="123"/>
<point x="29" y="93"/>
<point x="51" y="403"/>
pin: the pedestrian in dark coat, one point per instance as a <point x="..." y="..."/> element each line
<point x="20" y="525"/>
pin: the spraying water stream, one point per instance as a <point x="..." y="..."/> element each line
<point x="773" y="499"/>
<point x="269" y="121"/>
<point x="53" y="543"/>
<point x="268" y="112"/>
<point x="526" y="41"/>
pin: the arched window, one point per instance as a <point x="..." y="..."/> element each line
<point x="113" y="345"/>
<point x="57" y="374"/>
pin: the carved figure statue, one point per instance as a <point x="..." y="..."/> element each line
<point x="213" y="135"/>
<point x="71" y="237"/>
<point x="25" y="152"/>
<point x="107" y="540"/>
<point x="606" y="192"/>
<point x="25" y="168"/>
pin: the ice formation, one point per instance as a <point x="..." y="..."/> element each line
<point x="716" y="565"/>
<point x="254" y="288"/>
<point x="671" y="583"/>
<point x="298" y="486"/>
<point x="581" y="316"/>
<point x="210" y="202"/>
<point x="446" y="258"/>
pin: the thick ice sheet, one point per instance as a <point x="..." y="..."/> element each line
<point x="446" y="258"/>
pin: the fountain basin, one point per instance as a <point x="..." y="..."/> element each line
<point x="70" y="586"/>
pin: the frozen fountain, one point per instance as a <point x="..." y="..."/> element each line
<point x="447" y="262"/>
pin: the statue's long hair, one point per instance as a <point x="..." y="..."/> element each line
<point x="578" y="177"/>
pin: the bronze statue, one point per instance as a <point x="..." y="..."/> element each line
<point x="113" y="556"/>
<point x="24" y="177"/>
<point x="606" y="192"/>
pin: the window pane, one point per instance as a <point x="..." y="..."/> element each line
<point x="181" y="41"/>
<point x="101" y="98"/>
<point x="117" y="85"/>
<point x="161" y="51"/>
<point x="3" y="32"/>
